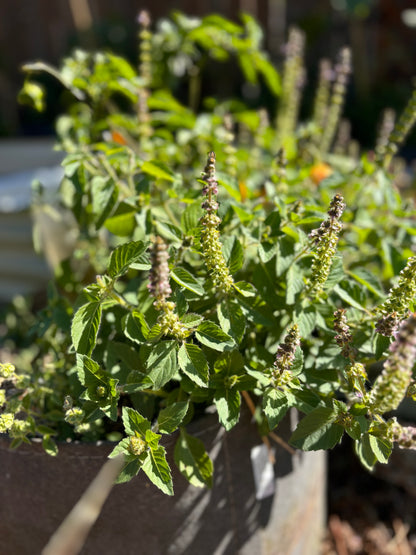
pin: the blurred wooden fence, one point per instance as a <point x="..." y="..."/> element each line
<point x="383" y="47"/>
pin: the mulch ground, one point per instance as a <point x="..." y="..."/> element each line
<point x="371" y="514"/>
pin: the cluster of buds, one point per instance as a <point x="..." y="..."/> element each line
<point x="210" y="242"/>
<point x="356" y="376"/>
<point x="392" y="384"/>
<point x="396" y="307"/>
<point x="339" y="89"/>
<point x="320" y="109"/>
<point x="137" y="445"/>
<point x="404" y="436"/>
<point x="159" y="288"/>
<point x="285" y="355"/>
<point x="145" y="73"/>
<point x="344" y="336"/>
<point x="398" y="134"/>
<point x="343" y="138"/>
<point x="386" y="128"/>
<point x="325" y="239"/>
<point x="293" y="81"/>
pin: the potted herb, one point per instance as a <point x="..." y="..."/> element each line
<point x="274" y="284"/>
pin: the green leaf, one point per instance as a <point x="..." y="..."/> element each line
<point x="156" y="467"/>
<point x="162" y="364"/>
<point x="245" y="289"/>
<point x="49" y="446"/>
<point x="305" y="318"/>
<point x="336" y="273"/>
<point x="233" y="254"/>
<point x="158" y="169"/>
<point x="347" y="297"/>
<point x="170" y="417"/>
<point x="134" y="422"/>
<point x="369" y="280"/>
<point x="104" y="197"/>
<point x="269" y="73"/>
<point x="212" y="336"/>
<point x="297" y="365"/>
<point x="123" y="256"/>
<point x="365" y="452"/>
<point x="274" y="406"/>
<point x="190" y="217"/>
<point x="381" y="448"/>
<point x="123" y="221"/>
<point x="294" y="284"/>
<point x="187" y="280"/>
<point x="285" y="255"/>
<point x="193" y="363"/>
<point x="232" y="319"/>
<point x="135" y="327"/>
<point x="381" y="344"/>
<point x="191" y="320"/>
<point x="32" y="94"/>
<point x="317" y="430"/>
<point x="129" y="471"/>
<point x="267" y="251"/>
<point x="193" y="461"/>
<point x="85" y="325"/>
<point x="228" y="402"/>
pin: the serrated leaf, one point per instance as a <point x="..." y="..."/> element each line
<point x="191" y="320"/>
<point x="193" y="363"/>
<point x="232" y="319"/>
<point x="156" y="467"/>
<point x="285" y="255"/>
<point x="187" y="280"/>
<point x="267" y="251"/>
<point x="129" y="471"/>
<point x="190" y="217"/>
<point x="123" y="256"/>
<point x="193" y="461"/>
<point x="297" y="365"/>
<point x="228" y="402"/>
<point x="347" y="297"/>
<point x="245" y="289"/>
<point x="134" y="422"/>
<point x="369" y="280"/>
<point x="104" y="197"/>
<point x="305" y="318"/>
<point x="212" y="336"/>
<point x="275" y="406"/>
<point x="170" y="418"/>
<point x="162" y="363"/>
<point x="135" y="327"/>
<point x="381" y="448"/>
<point x="336" y="273"/>
<point x="233" y="253"/>
<point x="317" y="430"/>
<point x="294" y="284"/>
<point x="84" y="328"/>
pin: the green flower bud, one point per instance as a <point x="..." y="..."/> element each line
<point x="137" y="445"/>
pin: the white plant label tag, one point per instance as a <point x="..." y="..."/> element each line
<point x="263" y="471"/>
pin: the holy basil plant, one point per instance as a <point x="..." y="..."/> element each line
<point x="282" y="281"/>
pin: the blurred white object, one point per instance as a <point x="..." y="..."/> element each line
<point x="23" y="271"/>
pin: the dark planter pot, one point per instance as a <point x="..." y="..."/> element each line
<point x="38" y="491"/>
